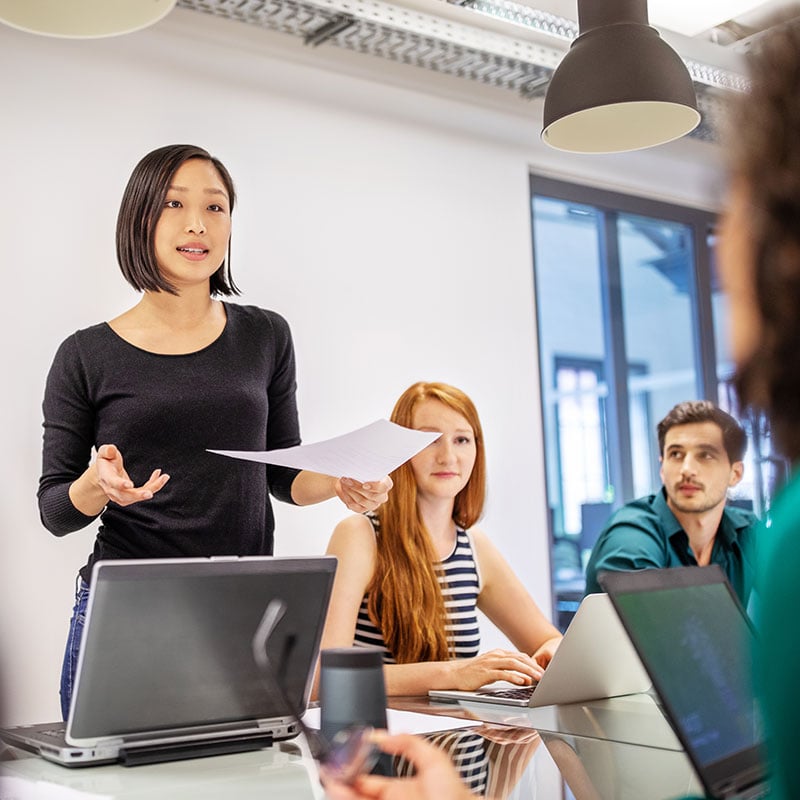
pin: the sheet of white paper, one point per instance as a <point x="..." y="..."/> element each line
<point x="406" y="721"/>
<point x="366" y="454"/>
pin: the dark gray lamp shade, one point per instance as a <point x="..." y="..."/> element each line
<point x="620" y="86"/>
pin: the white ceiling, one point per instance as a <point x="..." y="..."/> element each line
<point x="734" y="23"/>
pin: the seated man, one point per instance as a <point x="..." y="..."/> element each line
<point x="686" y="523"/>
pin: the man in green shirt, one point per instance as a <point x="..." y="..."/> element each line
<point x="687" y="523"/>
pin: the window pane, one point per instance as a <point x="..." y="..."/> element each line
<point x="657" y="275"/>
<point x="607" y="278"/>
<point x="571" y="345"/>
<point x="580" y="440"/>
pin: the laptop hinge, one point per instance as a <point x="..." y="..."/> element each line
<point x="750" y="785"/>
<point x="152" y="754"/>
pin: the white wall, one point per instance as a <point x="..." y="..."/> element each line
<point x="383" y="210"/>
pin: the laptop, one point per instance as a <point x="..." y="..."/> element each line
<point x="594" y="660"/>
<point x="696" y="641"/>
<point x="166" y="668"/>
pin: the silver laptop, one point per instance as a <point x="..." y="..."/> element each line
<point x="594" y="660"/>
<point x="166" y="669"/>
<point x="697" y="643"/>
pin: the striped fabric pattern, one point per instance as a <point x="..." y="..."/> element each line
<point x="460" y="585"/>
<point x="467" y="751"/>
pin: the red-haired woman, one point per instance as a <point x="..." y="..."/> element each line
<point x="412" y="576"/>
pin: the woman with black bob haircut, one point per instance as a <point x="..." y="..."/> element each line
<point x="139" y="212"/>
<point x="176" y="374"/>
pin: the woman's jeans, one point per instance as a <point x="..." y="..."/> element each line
<point x="70" y="664"/>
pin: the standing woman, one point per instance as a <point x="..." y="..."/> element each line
<point x="412" y="575"/>
<point x="176" y="374"/>
<point x="759" y="262"/>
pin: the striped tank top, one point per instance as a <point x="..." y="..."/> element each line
<point x="460" y="584"/>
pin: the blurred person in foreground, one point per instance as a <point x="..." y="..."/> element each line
<point x="759" y="265"/>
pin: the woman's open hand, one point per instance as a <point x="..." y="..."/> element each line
<point x="116" y="483"/>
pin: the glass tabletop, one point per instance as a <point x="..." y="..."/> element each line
<point x="501" y="760"/>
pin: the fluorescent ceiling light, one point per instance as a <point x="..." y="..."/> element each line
<point x="691" y="17"/>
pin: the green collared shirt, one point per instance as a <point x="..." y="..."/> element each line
<point x="645" y="534"/>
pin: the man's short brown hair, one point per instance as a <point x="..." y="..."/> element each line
<point x="691" y="411"/>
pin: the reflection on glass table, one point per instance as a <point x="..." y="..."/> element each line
<point x="594" y="769"/>
<point x="500" y="761"/>
<point x="278" y="771"/>
<point x="631" y="719"/>
<point x="491" y="760"/>
<point x="618" y="748"/>
<point x="510" y="763"/>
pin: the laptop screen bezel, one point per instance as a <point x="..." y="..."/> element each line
<point x="713" y="774"/>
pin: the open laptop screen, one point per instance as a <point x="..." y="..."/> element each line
<point x="696" y="642"/>
<point x="167" y="643"/>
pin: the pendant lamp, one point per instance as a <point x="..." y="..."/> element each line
<point x="620" y="86"/>
<point x="83" y="19"/>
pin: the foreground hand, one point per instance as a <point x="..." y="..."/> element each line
<point x="115" y="482"/>
<point x="495" y="665"/>
<point x="435" y="778"/>
<point x="363" y="497"/>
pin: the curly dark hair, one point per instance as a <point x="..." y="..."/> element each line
<point x="764" y="150"/>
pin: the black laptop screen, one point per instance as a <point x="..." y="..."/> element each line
<point x="696" y="643"/>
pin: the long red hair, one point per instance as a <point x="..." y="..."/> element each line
<point x="404" y="597"/>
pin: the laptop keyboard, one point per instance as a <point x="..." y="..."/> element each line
<point x="517" y="693"/>
<point x="56" y="734"/>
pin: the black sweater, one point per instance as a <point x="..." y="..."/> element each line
<point x="165" y="411"/>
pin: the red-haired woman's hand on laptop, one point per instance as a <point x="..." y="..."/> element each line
<point x="466" y="674"/>
<point x="544" y="655"/>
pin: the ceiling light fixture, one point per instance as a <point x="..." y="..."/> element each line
<point x="83" y="19"/>
<point x="620" y="86"/>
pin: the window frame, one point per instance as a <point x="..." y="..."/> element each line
<point x="610" y="205"/>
